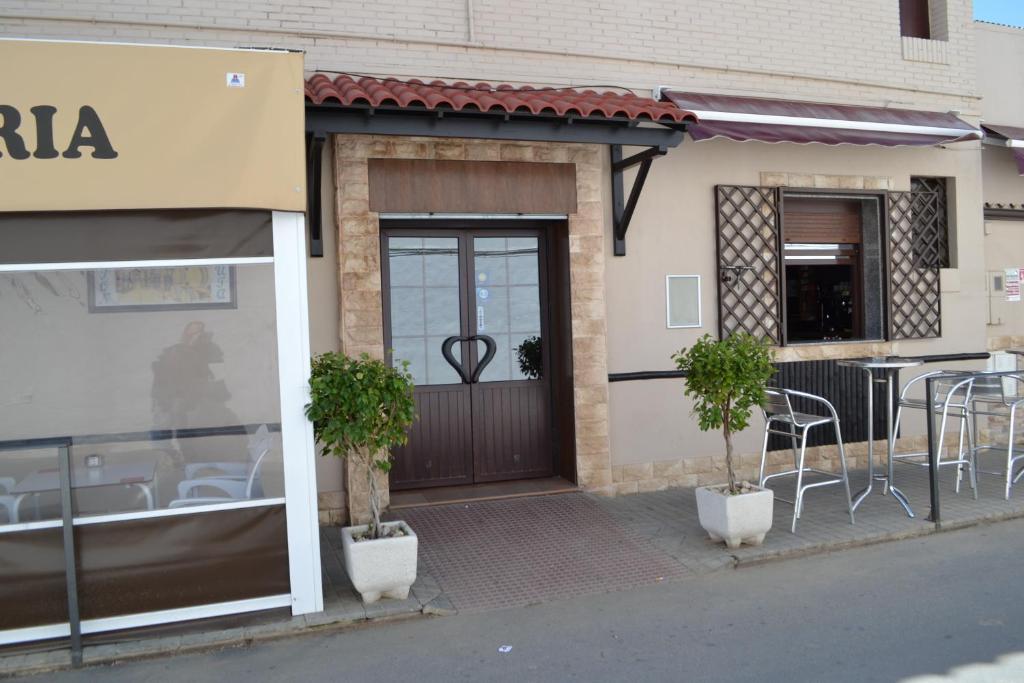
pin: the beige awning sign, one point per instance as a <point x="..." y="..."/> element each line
<point x="103" y="126"/>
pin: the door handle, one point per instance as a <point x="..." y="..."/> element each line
<point x="492" y="348"/>
<point x="446" y="351"/>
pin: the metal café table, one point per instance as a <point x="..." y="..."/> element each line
<point x="889" y="367"/>
<point x="139" y="474"/>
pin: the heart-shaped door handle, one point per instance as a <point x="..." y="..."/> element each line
<point x="492" y="348"/>
<point x="446" y="351"/>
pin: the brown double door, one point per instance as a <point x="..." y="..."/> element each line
<point x="467" y="309"/>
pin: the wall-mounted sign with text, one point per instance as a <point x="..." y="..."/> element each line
<point x="1011" y="283"/>
<point x="105" y="126"/>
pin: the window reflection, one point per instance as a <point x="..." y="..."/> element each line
<point x="507" y="296"/>
<point x="171" y="400"/>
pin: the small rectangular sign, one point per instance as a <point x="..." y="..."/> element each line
<point x="1011" y="284"/>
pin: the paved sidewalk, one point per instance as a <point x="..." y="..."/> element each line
<point x="342" y="608"/>
<point x="526" y="551"/>
<point x="912" y="611"/>
<point x="668" y="519"/>
<point x="523" y="551"/>
<point x="481" y="556"/>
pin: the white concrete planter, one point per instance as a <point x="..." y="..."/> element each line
<point x="744" y="518"/>
<point x="381" y="567"/>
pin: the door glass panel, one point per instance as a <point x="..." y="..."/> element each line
<point x="507" y="306"/>
<point x="423" y="276"/>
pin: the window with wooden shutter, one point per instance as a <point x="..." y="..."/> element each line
<point x="749" y="283"/>
<point x="914" y="264"/>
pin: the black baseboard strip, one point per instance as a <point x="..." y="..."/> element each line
<point x="679" y="374"/>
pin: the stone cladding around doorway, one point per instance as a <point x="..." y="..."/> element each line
<point x="362" y="326"/>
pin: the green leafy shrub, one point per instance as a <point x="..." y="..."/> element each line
<point x="726" y="379"/>
<point x="361" y="408"/>
<point x="530" y="355"/>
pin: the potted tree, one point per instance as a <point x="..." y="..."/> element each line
<point x="360" y="409"/>
<point x="726" y="380"/>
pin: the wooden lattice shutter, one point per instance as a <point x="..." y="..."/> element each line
<point x="749" y="291"/>
<point x="940" y="188"/>
<point x="914" y="264"/>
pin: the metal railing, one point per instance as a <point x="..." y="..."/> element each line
<point x="64" y="444"/>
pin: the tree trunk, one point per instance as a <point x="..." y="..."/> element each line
<point x="728" y="457"/>
<point x="374" y="497"/>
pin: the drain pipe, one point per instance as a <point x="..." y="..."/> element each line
<point x="470" y="27"/>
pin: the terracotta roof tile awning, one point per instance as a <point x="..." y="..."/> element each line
<point x="1008" y="136"/>
<point x="770" y="120"/>
<point x="392" y="93"/>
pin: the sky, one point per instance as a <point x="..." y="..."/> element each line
<point x="1000" y="11"/>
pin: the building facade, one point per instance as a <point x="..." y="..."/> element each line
<point x="602" y="409"/>
<point x="1002" y="107"/>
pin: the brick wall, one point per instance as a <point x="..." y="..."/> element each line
<point x="826" y="49"/>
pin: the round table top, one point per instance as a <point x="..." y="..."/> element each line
<point x="881" y="362"/>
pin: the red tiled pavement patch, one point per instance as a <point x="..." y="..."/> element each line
<point x="523" y="551"/>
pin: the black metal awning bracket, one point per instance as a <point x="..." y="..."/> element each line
<point x="314" y="165"/>
<point x="616" y="132"/>
<point x="622" y="207"/>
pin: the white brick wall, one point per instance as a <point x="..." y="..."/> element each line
<point x="823" y="49"/>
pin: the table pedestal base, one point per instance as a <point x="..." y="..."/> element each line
<point x="900" y="497"/>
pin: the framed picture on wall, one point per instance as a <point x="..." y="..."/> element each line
<point x="176" y="288"/>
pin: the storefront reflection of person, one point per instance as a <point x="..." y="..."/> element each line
<point x="186" y="393"/>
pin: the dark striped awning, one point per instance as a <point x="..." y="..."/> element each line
<point x="771" y="120"/>
<point x="1007" y="136"/>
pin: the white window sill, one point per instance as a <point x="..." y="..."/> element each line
<point x="924" y="50"/>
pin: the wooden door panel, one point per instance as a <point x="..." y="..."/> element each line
<point x="440" y="448"/>
<point x="512" y="430"/>
<point x="497" y="424"/>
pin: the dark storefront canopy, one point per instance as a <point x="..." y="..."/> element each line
<point x="771" y="120"/>
<point x="353" y="104"/>
<point x="1008" y="136"/>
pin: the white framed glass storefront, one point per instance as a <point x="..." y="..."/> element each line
<point x="171" y="371"/>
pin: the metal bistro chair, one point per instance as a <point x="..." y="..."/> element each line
<point x="9" y="502"/>
<point x="232" y="480"/>
<point x="951" y="400"/>
<point x="991" y="398"/>
<point x="778" y="411"/>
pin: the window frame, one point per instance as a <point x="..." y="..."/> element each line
<point x="668" y="302"/>
<point x="298" y="448"/>
<point x="883" y="226"/>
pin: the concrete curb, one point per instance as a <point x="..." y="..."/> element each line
<point x="823" y="548"/>
<point x="209" y="641"/>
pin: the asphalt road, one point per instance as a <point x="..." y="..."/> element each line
<point x="911" y="609"/>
